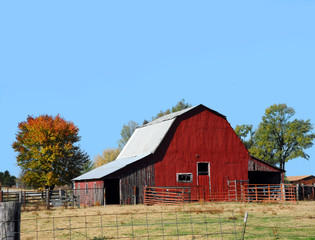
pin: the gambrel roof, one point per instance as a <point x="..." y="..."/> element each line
<point x="143" y="142"/>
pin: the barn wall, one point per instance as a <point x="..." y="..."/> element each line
<point x="256" y="165"/>
<point x="90" y="192"/>
<point x="204" y="137"/>
<point x="134" y="178"/>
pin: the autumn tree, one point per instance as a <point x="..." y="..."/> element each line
<point x="279" y="138"/>
<point x="108" y="155"/>
<point x="48" y="153"/>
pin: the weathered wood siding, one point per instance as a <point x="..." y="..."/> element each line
<point x="134" y="178"/>
<point x="90" y="192"/>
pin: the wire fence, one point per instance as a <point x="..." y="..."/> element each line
<point x="201" y="224"/>
<point x="148" y="225"/>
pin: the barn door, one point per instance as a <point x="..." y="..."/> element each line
<point x="203" y="175"/>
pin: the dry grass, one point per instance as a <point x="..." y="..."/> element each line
<point x="266" y="220"/>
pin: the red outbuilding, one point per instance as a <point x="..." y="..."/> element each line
<point x="190" y="148"/>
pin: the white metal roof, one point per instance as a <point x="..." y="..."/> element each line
<point x="108" y="168"/>
<point x="145" y="140"/>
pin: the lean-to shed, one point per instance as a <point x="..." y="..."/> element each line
<point x="193" y="147"/>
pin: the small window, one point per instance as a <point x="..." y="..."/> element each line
<point x="95" y="187"/>
<point x="203" y="169"/>
<point x="184" y="177"/>
<point x="86" y="188"/>
<point x="79" y="186"/>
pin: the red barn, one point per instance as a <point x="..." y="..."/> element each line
<point x="193" y="147"/>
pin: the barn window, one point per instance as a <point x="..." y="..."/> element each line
<point x="203" y="168"/>
<point x="95" y="187"/>
<point x="184" y="177"/>
<point x="86" y="188"/>
<point x="79" y="186"/>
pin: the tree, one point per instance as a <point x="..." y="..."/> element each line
<point x="279" y="139"/>
<point x="88" y="166"/>
<point x="47" y="151"/>
<point x="246" y="134"/>
<point x="178" y="107"/>
<point x="6" y="179"/>
<point x="109" y="154"/>
<point x="126" y="133"/>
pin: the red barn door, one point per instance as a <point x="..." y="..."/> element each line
<point x="203" y="175"/>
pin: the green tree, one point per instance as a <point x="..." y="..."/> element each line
<point x="109" y="154"/>
<point x="6" y="179"/>
<point x="181" y="105"/>
<point x="278" y="138"/>
<point x="48" y="153"/>
<point x="126" y="133"/>
<point x="88" y="166"/>
<point x="246" y="134"/>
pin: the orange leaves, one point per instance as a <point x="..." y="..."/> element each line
<point x="46" y="150"/>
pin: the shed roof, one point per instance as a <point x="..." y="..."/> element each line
<point x="108" y="168"/>
<point x="143" y="142"/>
<point x="298" y="178"/>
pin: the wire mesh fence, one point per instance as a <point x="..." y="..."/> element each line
<point x="194" y="224"/>
<point x="148" y="225"/>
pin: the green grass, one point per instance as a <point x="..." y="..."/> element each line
<point x="189" y="221"/>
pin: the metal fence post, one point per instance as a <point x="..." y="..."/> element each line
<point x="245" y="222"/>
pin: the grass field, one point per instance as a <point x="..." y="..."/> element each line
<point x="188" y="221"/>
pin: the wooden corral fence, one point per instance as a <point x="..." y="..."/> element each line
<point x="240" y="192"/>
<point x="45" y="198"/>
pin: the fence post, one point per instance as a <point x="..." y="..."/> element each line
<point x="104" y="196"/>
<point x="10" y="217"/>
<point x="21" y="197"/>
<point x="47" y="199"/>
<point x="245" y="221"/>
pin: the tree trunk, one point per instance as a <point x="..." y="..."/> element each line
<point x="10" y="217"/>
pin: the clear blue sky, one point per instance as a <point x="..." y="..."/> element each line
<point x="102" y="63"/>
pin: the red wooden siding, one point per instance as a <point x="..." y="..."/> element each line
<point x="90" y="192"/>
<point x="204" y="137"/>
<point x="255" y="164"/>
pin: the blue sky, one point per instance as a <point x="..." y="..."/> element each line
<point x="102" y="63"/>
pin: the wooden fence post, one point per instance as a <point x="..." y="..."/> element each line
<point x="47" y="199"/>
<point x="104" y="196"/>
<point x="10" y="217"/>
